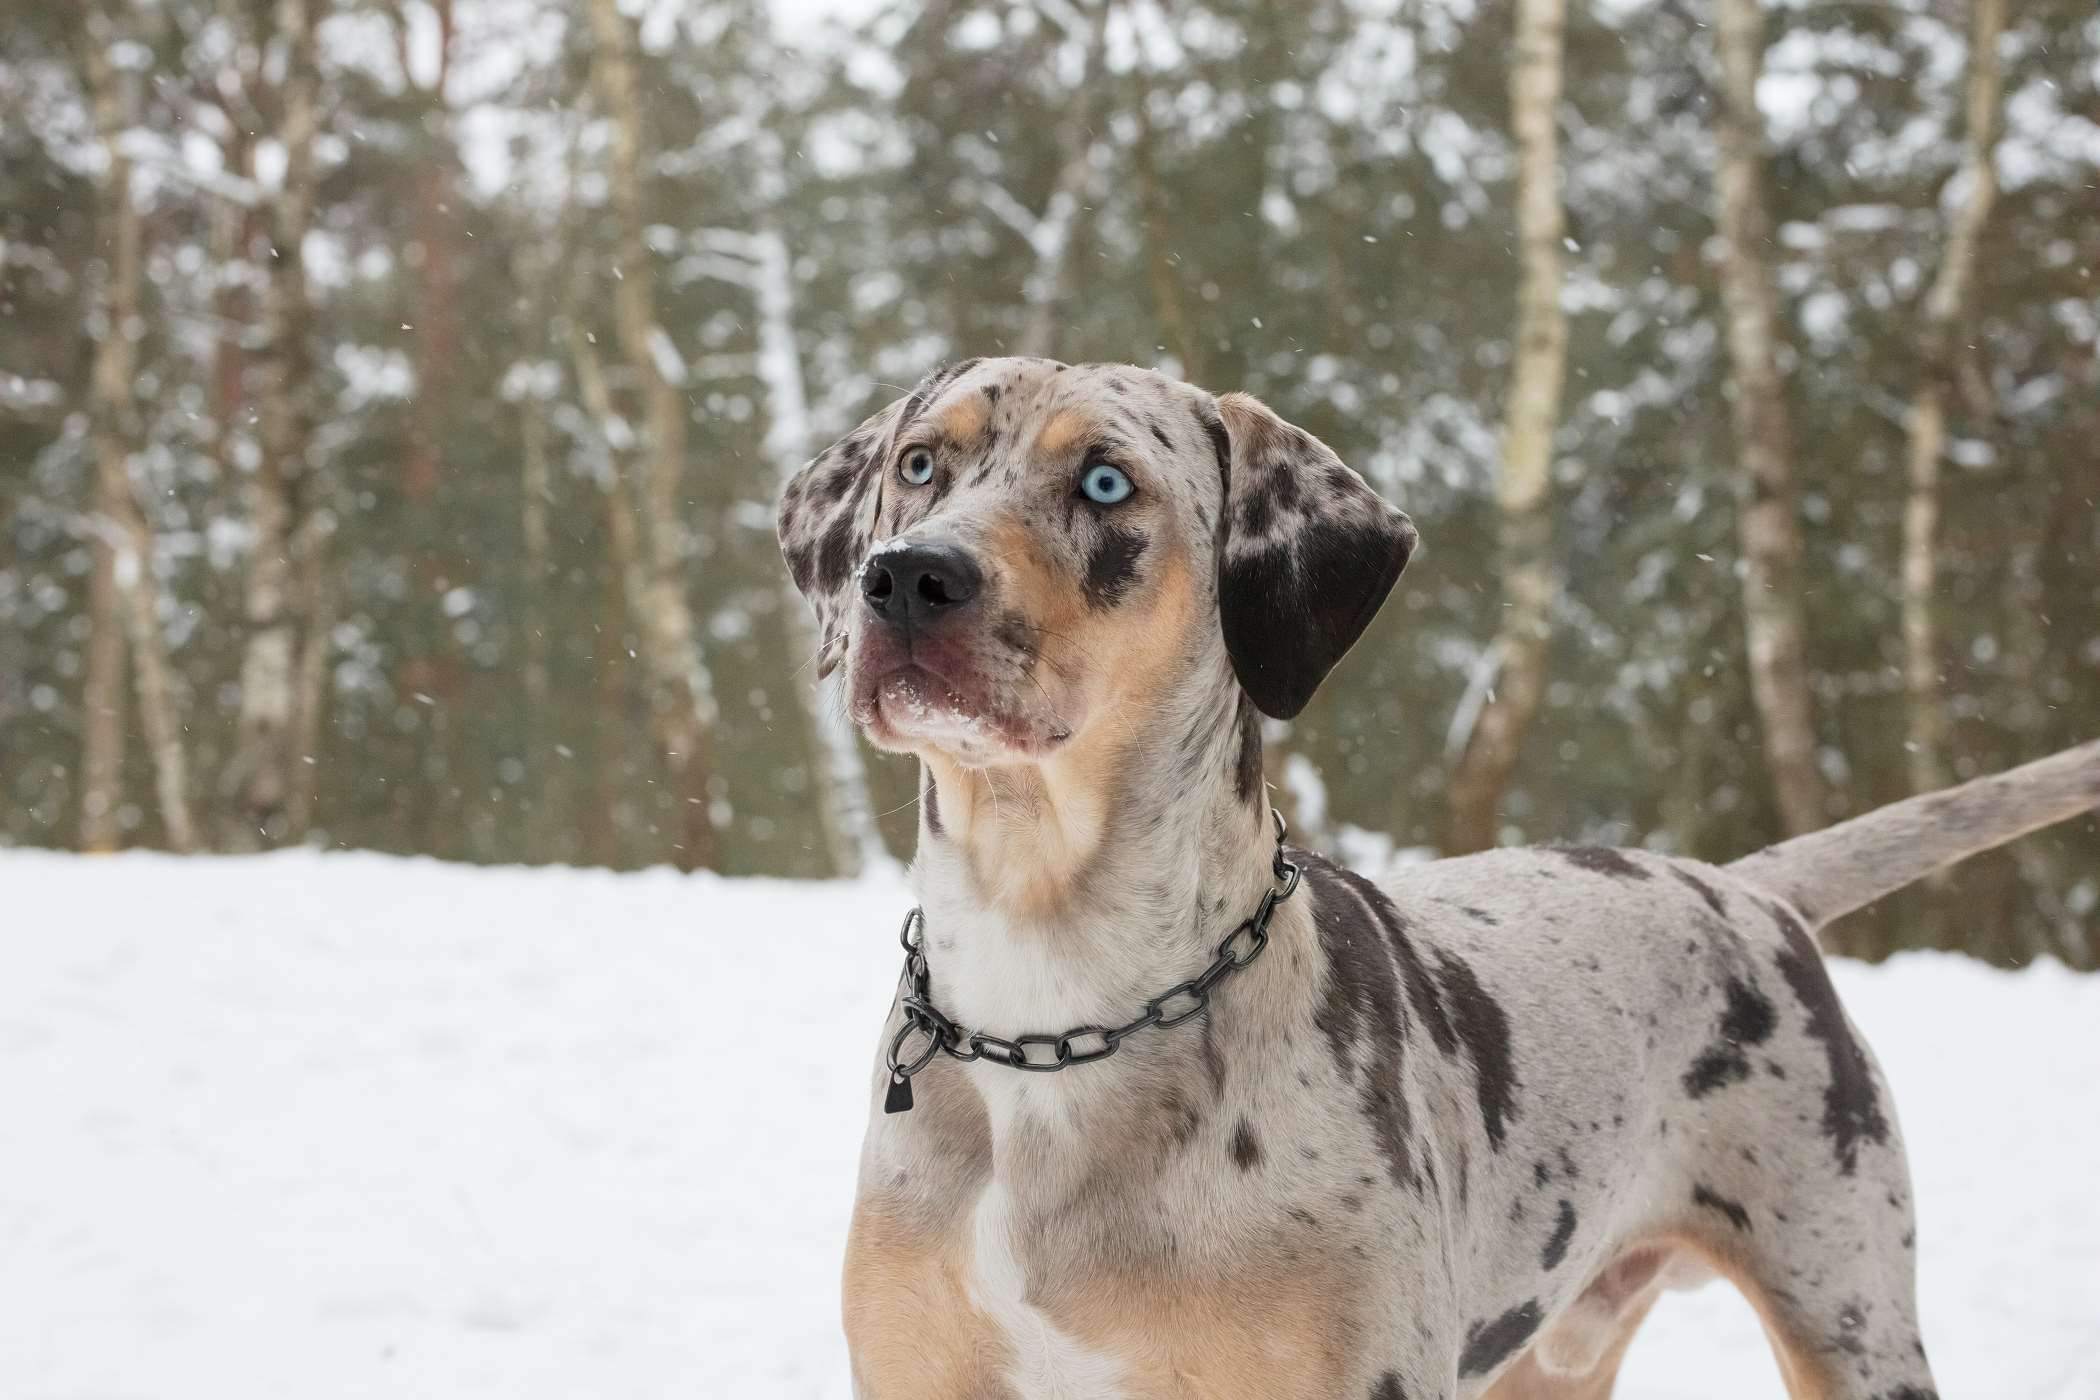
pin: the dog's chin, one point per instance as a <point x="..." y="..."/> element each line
<point x="911" y="709"/>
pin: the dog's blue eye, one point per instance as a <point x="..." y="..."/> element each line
<point x="917" y="468"/>
<point x="1104" y="485"/>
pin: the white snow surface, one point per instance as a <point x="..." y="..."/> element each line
<point x="351" y="1125"/>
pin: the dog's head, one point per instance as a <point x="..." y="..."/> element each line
<point x="1018" y="547"/>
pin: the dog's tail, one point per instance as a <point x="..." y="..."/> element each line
<point x="1832" y="872"/>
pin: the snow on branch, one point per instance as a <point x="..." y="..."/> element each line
<point x="152" y="151"/>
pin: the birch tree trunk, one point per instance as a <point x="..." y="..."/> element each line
<point x="1163" y="274"/>
<point x="630" y="570"/>
<point x="1945" y="305"/>
<point x="310" y="691"/>
<point x="1530" y="584"/>
<point x="1767" y="509"/>
<point x="260" y="776"/>
<point x="530" y="269"/>
<point x="102" y="703"/>
<point x="1051" y="239"/>
<point x="113" y="415"/>
<point x="681" y="701"/>
<point x="845" y="809"/>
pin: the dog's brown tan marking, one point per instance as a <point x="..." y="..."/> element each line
<point x="1061" y="804"/>
<point x="1455" y="1130"/>
<point x="1178" y="1333"/>
<point x="910" y="1323"/>
<point x="962" y="422"/>
<point x="1065" y="431"/>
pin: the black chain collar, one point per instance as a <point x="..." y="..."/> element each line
<point x="1177" y="1004"/>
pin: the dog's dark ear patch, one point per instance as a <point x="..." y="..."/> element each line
<point x="1310" y="554"/>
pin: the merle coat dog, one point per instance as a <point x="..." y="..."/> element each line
<point x="1448" y="1134"/>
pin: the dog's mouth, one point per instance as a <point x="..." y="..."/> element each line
<point x="912" y="703"/>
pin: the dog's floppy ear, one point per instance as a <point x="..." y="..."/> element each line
<point x="1309" y="553"/>
<point x="826" y="518"/>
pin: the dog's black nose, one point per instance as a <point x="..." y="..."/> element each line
<point x="919" y="583"/>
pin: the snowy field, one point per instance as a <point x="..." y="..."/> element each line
<point x="334" y="1126"/>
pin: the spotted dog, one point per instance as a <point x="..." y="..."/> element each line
<point x="1452" y="1132"/>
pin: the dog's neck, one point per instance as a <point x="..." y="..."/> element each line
<point x="1068" y="892"/>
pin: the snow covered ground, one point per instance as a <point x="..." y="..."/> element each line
<point x="349" y="1125"/>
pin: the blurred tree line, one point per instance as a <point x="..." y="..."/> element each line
<point x="393" y="394"/>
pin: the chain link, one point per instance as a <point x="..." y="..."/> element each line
<point x="1045" y="1054"/>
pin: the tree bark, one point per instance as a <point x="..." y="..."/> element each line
<point x="436" y="319"/>
<point x="1044" y="291"/>
<point x="310" y="695"/>
<point x="845" y="809"/>
<point x="102" y="703"/>
<point x="1530" y="583"/>
<point x="1162" y="264"/>
<point x="681" y="702"/>
<point x="1767" y="509"/>
<point x="260" y="777"/>
<point x="1946" y="303"/>
<point x="531" y="267"/>
<point x="127" y="537"/>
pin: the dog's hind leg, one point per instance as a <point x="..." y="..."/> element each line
<point x="1823" y="1248"/>
<point x="1578" y="1355"/>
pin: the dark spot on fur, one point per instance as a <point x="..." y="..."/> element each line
<point x="1557" y="1243"/>
<point x="1281" y="485"/>
<point x="1540" y="1173"/>
<point x="1484" y="1027"/>
<point x="1246" y="772"/>
<point x="1388" y="1387"/>
<point x="1255" y="515"/>
<point x="1480" y="914"/>
<point x="837" y="553"/>
<point x="1112" y="567"/>
<point x="1705" y="891"/>
<point x="1246" y="1150"/>
<point x="930" y="803"/>
<point x="1303" y="1217"/>
<point x="1352" y="1202"/>
<point x="1213" y="1060"/>
<point x="1489" y="1344"/>
<point x="1221" y="447"/>
<point x="991" y="393"/>
<point x="1161" y="434"/>
<point x="1851" y="1106"/>
<point x="1747" y="1019"/>
<point x="1422" y="993"/>
<point x="1715" y="1201"/>
<point x="1601" y="860"/>
<point x="1361" y="1001"/>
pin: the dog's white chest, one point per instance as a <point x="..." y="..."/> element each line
<point x="1047" y="1363"/>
